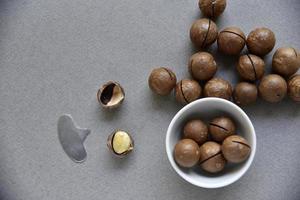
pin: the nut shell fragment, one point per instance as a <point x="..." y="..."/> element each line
<point x="120" y="143"/>
<point x="110" y="95"/>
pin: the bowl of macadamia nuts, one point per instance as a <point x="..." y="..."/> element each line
<point x="211" y="143"/>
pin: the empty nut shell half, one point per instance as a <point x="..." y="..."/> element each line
<point x="110" y="95"/>
<point x="120" y="143"/>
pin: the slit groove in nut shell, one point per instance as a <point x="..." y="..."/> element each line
<point x="181" y="89"/>
<point x="234" y="34"/>
<point x="212" y="124"/>
<point x="213" y="8"/>
<point x="206" y="35"/>
<point x="242" y="143"/>
<point x="206" y="159"/>
<point x="295" y="52"/>
<point x="192" y="72"/>
<point x="171" y="76"/>
<point x="253" y="67"/>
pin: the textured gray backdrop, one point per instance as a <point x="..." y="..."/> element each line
<point x="55" y="54"/>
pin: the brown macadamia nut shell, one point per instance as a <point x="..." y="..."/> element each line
<point x="261" y="41"/>
<point x="220" y="128"/>
<point x="294" y="88"/>
<point x="187" y="91"/>
<point x="162" y="81"/>
<point x="110" y="141"/>
<point x="286" y="61"/>
<point x="236" y="149"/>
<point x="111" y="95"/>
<point x="217" y="87"/>
<point x="202" y="66"/>
<point x="211" y="158"/>
<point x="196" y="130"/>
<point x="212" y="8"/>
<point x="186" y="153"/>
<point x="272" y="88"/>
<point x="231" y="41"/>
<point x="251" y="67"/>
<point x="203" y="32"/>
<point x="245" y="93"/>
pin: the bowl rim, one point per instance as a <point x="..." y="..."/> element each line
<point x="241" y="172"/>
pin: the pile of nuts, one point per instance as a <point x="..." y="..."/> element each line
<point x="202" y="68"/>
<point x="251" y="67"/>
<point x="212" y="147"/>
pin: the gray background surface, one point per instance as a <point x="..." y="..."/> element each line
<point x="55" y="54"/>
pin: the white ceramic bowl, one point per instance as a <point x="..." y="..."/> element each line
<point x="206" y="109"/>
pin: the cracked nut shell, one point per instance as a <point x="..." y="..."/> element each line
<point x="202" y="66"/>
<point x="162" y="81"/>
<point x="110" y="95"/>
<point x="286" y="61"/>
<point x="245" y="93"/>
<point x="236" y="149"/>
<point x="261" y="41"/>
<point x="220" y="128"/>
<point x="196" y="130"/>
<point x="186" y="153"/>
<point x="211" y="158"/>
<point x="272" y="88"/>
<point x="294" y="88"/>
<point x="203" y="32"/>
<point x="212" y="8"/>
<point x="120" y="143"/>
<point x="251" y="67"/>
<point x="217" y="87"/>
<point x="231" y="41"/>
<point x="187" y="91"/>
